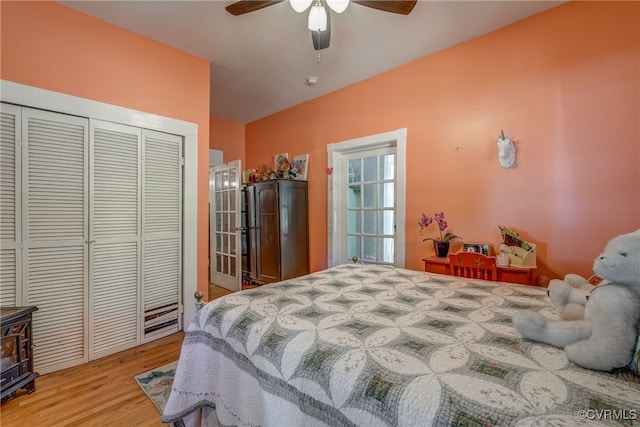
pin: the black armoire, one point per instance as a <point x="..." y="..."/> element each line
<point x="275" y="230"/>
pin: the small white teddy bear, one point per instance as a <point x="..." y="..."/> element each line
<point x="606" y="335"/>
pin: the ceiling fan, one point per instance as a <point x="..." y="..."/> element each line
<point x="319" y="20"/>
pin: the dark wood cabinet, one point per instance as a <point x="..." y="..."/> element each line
<point x="275" y="230"/>
<point x="17" y="350"/>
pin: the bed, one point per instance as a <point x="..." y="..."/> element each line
<point x="379" y="346"/>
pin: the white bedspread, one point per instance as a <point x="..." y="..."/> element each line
<point x="376" y="346"/>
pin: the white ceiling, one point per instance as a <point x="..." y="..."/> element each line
<point x="260" y="60"/>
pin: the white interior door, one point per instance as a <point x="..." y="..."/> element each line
<point x="367" y="200"/>
<point x="10" y="238"/>
<point x="49" y="242"/>
<point x="370" y="209"/>
<point x="162" y="231"/>
<point x="114" y="238"/>
<point x="224" y="197"/>
<point x="55" y="235"/>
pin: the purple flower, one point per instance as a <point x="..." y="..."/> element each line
<point x="425" y="221"/>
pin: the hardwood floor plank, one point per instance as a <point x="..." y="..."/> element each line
<point x="99" y="393"/>
<point x="216" y="291"/>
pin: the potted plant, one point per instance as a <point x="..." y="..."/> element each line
<point x="441" y="245"/>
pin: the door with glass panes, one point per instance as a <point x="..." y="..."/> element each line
<point x="370" y="213"/>
<point x="224" y="225"/>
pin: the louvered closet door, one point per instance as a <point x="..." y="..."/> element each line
<point x="114" y="250"/>
<point x="10" y="154"/>
<point x="162" y="233"/>
<point x="55" y="230"/>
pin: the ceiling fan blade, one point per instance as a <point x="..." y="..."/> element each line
<point x="403" y="7"/>
<point x="246" y="6"/>
<point x="322" y="39"/>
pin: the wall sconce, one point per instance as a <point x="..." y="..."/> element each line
<point x="506" y="150"/>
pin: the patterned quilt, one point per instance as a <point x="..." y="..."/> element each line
<point x="379" y="346"/>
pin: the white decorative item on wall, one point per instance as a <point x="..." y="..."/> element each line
<point x="506" y="150"/>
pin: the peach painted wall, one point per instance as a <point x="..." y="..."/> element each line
<point x="51" y="46"/>
<point x="564" y="84"/>
<point x="227" y="136"/>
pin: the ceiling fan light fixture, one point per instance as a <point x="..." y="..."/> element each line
<point x="300" y="5"/>
<point x="338" y="6"/>
<point x="317" y="18"/>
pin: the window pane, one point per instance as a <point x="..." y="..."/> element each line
<point x="225" y="200"/>
<point x="219" y="263"/>
<point x="225" y="243"/>
<point x="386" y="249"/>
<point x="355" y="171"/>
<point x="232" y="178"/>
<point x="232" y="271"/>
<point x="369" y="248"/>
<point x="387" y="167"/>
<point x="232" y="222"/>
<point x="354" y="225"/>
<point x="354" y="197"/>
<point x="225" y="223"/>
<point x="369" y="222"/>
<point x="354" y="246"/>
<point x="370" y="195"/>
<point x="232" y="244"/>
<point x="218" y="180"/>
<point x="218" y="242"/>
<point x="370" y="168"/>
<point x="225" y="264"/>
<point x="219" y="221"/>
<point x="225" y="180"/>
<point x="218" y="201"/>
<point x="232" y="200"/>
<point x="386" y="195"/>
<point x="386" y="223"/>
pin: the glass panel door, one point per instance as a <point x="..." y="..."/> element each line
<point x="371" y="205"/>
<point x="224" y="223"/>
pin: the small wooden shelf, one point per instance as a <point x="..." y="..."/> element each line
<point x="522" y="276"/>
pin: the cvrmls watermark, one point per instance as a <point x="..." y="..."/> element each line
<point x="608" y="414"/>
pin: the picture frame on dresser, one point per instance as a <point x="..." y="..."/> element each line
<point x="479" y="248"/>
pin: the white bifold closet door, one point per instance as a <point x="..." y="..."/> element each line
<point x="163" y="163"/>
<point x="90" y="227"/>
<point x="55" y="159"/>
<point x="10" y="157"/>
<point x="135" y="236"/>
<point x="115" y="238"/>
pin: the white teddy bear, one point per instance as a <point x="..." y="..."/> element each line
<point x="606" y="336"/>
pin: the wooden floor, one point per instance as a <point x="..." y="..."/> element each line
<point x="99" y="393"/>
<point x="217" y="291"/>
